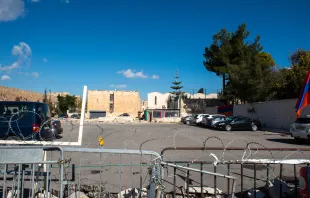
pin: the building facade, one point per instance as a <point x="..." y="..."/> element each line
<point x="156" y="100"/>
<point x="114" y="102"/>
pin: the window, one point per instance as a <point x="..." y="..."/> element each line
<point x="112" y="97"/>
<point x="303" y="120"/>
<point x="155" y="100"/>
<point x="111" y="108"/>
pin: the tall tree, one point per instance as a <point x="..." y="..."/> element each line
<point x="289" y="80"/>
<point x="217" y="55"/>
<point x="45" y="96"/>
<point x="243" y="66"/>
<point x="176" y="85"/>
<point x="201" y="90"/>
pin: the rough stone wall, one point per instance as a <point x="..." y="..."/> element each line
<point x="98" y="100"/>
<point x="10" y="94"/>
<point x="127" y="102"/>
<point x="124" y="102"/>
<point x="60" y="93"/>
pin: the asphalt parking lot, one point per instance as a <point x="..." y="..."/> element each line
<point x="105" y="168"/>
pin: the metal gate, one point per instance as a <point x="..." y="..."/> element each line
<point x="26" y="173"/>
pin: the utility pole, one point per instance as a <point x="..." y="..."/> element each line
<point x="205" y="92"/>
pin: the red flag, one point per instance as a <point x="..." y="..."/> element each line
<point x="304" y="97"/>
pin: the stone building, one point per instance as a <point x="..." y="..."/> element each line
<point x="59" y="93"/>
<point x="156" y="100"/>
<point x="114" y="102"/>
<point x="143" y="105"/>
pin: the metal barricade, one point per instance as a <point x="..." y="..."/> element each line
<point x="251" y="174"/>
<point x="26" y="173"/>
<point x="98" y="172"/>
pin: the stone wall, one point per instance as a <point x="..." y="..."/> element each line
<point x="124" y="102"/>
<point x="10" y="94"/>
<point x="194" y="106"/>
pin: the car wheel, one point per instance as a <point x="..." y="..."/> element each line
<point x="228" y="127"/>
<point x="187" y="122"/>
<point x="299" y="139"/>
<point x="254" y="127"/>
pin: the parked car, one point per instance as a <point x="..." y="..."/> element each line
<point x="184" y="118"/>
<point x="190" y="119"/>
<point x="300" y="128"/>
<point x="200" y="117"/>
<point x="63" y="116"/>
<point x="76" y="116"/>
<point x="238" y="123"/>
<point x="124" y="115"/>
<point x="23" y="120"/>
<point x="56" y="127"/>
<point x="212" y="119"/>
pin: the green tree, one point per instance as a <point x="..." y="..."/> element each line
<point x="243" y="66"/>
<point x="201" y="90"/>
<point x="289" y="80"/>
<point x="62" y="105"/>
<point x="45" y="97"/>
<point x="176" y="85"/>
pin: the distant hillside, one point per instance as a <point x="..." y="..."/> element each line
<point x="10" y="94"/>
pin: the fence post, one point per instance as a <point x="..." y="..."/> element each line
<point x="152" y="182"/>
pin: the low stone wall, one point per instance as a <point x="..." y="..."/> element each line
<point x="116" y="119"/>
<point x="167" y="120"/>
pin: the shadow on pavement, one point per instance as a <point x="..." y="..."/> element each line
<point x="289" y="141"/>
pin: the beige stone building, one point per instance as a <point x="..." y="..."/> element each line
<point x="114" y="102"/>
<point x="60" y="93"/>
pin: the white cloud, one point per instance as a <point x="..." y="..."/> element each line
<point x="155" y="77"/>
<point x="11" y="9"/>
<point x="132" y="74"/>
<point x="118" y="86"/>
<point x="34" y="74"/>
<point x="45" y="60"/>
<point x="23" y="54"/>
<point x="5" y="77"/>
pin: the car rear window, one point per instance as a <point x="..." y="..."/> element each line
<point x="56" y="121"/>
<point x="303" y="120"/>
<point x="43" y="111"/>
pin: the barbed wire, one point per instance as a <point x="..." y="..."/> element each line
<point x="132" y="136"/>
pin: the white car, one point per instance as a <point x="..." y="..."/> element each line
<point x="301" y="128"/>
<point x="199" y="118"/>
<point x="210" y="120"/>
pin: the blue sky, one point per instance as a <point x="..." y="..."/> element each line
<point x="134" y="44"/>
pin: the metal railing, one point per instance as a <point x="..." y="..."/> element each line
<point x="25" y="172"/>
<point x="230" y="167"/>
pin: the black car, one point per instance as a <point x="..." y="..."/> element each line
<point x="239" y="123"/>
<point x="124" y="115"/>
<point x="23" y="120"/>
<point x="56" y="127"/>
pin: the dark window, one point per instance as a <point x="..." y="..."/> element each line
<point x="303" y="120"/>
<point x="111" y="107"/>
<point x="112" y="97"/>
<point x="155" y="100"/>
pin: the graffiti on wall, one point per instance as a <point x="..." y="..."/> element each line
<point x="226" y="110"/>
